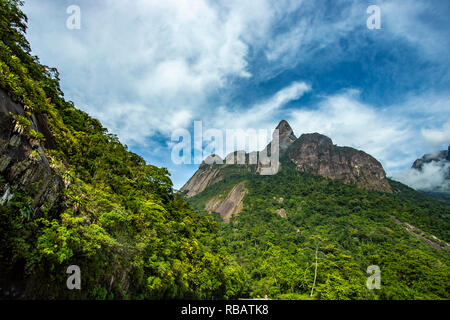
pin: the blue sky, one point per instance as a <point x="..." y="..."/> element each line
<point x="147" y="68"/>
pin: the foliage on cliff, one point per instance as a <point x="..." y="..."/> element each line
<point x="120" y="221"/>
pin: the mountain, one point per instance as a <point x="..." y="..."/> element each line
<point x="72" y="194"/>
<point x="328" y="205"/>
<point x="313" y="153"/>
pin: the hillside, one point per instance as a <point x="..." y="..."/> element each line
<point x="72" y="194"/>
<point x="280" y="221"/>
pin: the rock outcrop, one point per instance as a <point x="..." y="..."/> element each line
<point x="316" y="154"/>
<point x="207" y="174"/>
<point x="23" y="163"/>
<point x="286" y="137"/>
<point x="431" y="174"/>
<point x="229" y="206"/>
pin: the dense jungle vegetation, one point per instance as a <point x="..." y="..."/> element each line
<point x="120" y="221"/>
<point x="350" y="228"/>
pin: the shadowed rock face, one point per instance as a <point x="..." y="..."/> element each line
<point x="23" y="161"/>
<point x="316" y="154"/>
<point x="286" y="134"/>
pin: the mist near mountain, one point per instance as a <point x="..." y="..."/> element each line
<point x="431" y="173"/>
<point x="432" y="177"/>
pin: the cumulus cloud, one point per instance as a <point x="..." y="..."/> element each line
<point x="168" y="57"/>
<point x="350" y="122"/>
<point x="261" y="114"/>
<point x="162" y="58"/>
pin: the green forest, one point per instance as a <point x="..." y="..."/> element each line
<point x="350" y="228"/>
<point x="134" y="237"/>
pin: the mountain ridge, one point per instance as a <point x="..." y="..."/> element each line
<point x="314" y="153"/>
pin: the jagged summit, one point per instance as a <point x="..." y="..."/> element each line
<point x="284" y="128"/>
<point x="314" y="153"/>
<point x="286" y="136"/>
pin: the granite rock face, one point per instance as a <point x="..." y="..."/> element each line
<point x="316" y="154"/>
<point x="231" y="205"/>
<point x="207" y="174"/>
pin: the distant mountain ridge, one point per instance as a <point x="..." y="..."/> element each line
<point x="439" y="156"/>
<point x="313" y="153"/>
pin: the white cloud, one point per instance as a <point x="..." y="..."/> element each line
<point x="147" y="67"/>
<point x="439" y="135"/>
<point x="405" y="20"/>
<point x="163" y="58"/>
<point x="168" y="57"/>
<point x="261" y="114"/>
<point x="432" y="177"/>
<point x="350" y="122"/>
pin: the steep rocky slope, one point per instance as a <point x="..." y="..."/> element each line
<point x="72" y="194"/>
<point x="230" y="205"/>
<point x="316" y="154"/>
<point x="285" y="217"/>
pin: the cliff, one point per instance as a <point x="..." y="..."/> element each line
<point x="316" y="154"/>
<point x="23" y="163"/>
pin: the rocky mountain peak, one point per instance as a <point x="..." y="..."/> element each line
<point x="286" y="137"/>
<point x="312" y="152"/>
<point x="284" y="128"/>
<point x="315" y="153"/>
<point x="315" y="138"/>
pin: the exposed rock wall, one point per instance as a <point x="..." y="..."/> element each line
<point x="205" y="176"/>
<point x="313" y="153"/>
<point x="229" y="206"/>
<point x="23" y="162"/>
<point x="316" y="154"/>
